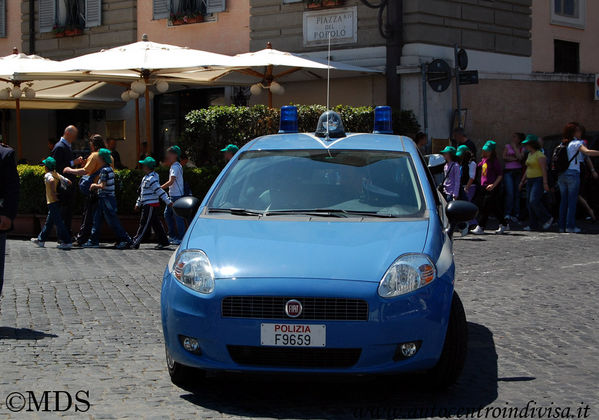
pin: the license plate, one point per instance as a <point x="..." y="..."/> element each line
<point x="293" y="335"/>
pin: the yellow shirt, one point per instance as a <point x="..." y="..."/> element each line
<point x="94" y="163"/>
<point x="51" y="179"/>
<point x="533" y="165"/>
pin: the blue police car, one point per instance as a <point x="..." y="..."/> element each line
<point x="327" y="252"/>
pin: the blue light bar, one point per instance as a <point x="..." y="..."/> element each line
<point x="383" y="120"/>
<point x="288" y="122"/>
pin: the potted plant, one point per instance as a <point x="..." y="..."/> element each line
<point x="58" y="31"/>
<point x="176" y="19"/>
<point x="314" y="4"/>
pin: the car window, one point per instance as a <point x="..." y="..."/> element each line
<point x="377" y="182"/>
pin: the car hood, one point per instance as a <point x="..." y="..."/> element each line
<point x="301" y="249"/>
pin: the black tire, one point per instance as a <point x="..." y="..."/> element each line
<point x="182" y="375"/>
<point x="449" y="367"/>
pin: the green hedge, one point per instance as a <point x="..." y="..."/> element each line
<point x="210" y="129"/>
<point x="33" y="193"/>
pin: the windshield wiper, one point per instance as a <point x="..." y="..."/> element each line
<point x="236" y="211"/>
<point x="330" y="213"/>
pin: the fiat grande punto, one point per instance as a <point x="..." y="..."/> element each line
<point x="325" y="252"/>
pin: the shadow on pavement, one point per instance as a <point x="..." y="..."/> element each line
<point x="351" y="397"/>
<point x="11" y="333"/>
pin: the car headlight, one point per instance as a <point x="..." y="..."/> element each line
<point x="406" y="274"/>
<point x="192" y="268"/>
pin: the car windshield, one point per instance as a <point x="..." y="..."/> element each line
<point x="334" y="183"/>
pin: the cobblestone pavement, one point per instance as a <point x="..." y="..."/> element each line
<point x="89" y="320"/>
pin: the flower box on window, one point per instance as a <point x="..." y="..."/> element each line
<point x="185" y="19"/>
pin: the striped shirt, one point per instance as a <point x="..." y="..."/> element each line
<point x="150" y="191"/>
<point x="106" y="178"/>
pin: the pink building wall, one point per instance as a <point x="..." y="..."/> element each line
<point x="230" y="34"/>
<point x="13" y="29"/>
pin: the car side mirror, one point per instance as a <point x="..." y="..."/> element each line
<point x="460" y="211"/>
<point x="186" y="207"/>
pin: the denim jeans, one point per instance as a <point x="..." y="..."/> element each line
<point x="511" y="180"/>
<point x="538" y="214"/>
<point x="106" y="210"/>
<point x="175" y="224"/>
<point x="569" y="186"/>
<point x="55" y="219"/>
<point x="2" y="253"/>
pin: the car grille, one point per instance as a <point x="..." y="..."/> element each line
<point x="294" y="357"/>
<point x="314" y="308"/>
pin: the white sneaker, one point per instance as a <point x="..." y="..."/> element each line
<point x="575" y="230"/>
<point x="478" y="231"/>
<point x="502" y="229"/>
<point x="37" y="242"/>
<point x="547" y="225"/>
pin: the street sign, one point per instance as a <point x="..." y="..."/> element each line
<point x="468" y="77"/>
<point x="439" y="75"/>
<point x="462" y="57"/>
<point x="596" y="86"/>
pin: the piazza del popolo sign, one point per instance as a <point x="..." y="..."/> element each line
<point x="340" y="24"/>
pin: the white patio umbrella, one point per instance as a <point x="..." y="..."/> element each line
<point x="268" y="67"/>
<point x="142" y="64"/>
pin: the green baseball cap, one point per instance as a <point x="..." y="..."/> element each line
<point x="490" y="146"/>
<point x="463" y="148"/>
<point x="230" y="148"/>
<point x="448" y="149"/>
<point x="531" y="138"/>
<point x="106" y="155"/>
<point x="49" y="163"/>
<point x="176" y="150"/>
<point x="149" y="162"/>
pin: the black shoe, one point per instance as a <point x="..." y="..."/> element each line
<point x="162" y="246"/>
<point x="135" y="245"/>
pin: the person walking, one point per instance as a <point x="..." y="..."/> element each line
<point x="107" y="207"/>
<point x="176" y="190"/>
<point x="9" y="199"/>
<point x="569" y="180"/>
<point x="467" y="181"/>
<point x="536" y="181"/>
<point x="53" y="181"/>
<point x="148" y="202"/>
<point x="451" y="182"/>
<point x="513" y="156"/>
<point x="460" y="138"/>
<point x="91" y="171"/>
<point x="62" y="153"/>
<point x="491" y="200"/>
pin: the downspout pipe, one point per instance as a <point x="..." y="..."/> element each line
<point x="31" y="26"/>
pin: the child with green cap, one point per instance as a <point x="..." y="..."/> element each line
<point x="106" y="206"/>
<point x="490" y="198"/>
<point x="53" y="179"/>
<point x="451" y="182"/>
<point x="176" y="190"/>
<point x="148" y="201"/>
<point x="229" y="151"/>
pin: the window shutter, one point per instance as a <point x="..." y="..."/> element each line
<point x="93" y="13"/>
<point x="215" y="6"/>
<point x="161" y="9"/>
<point x="2" y="18"/>
<point x="47" y="15"/>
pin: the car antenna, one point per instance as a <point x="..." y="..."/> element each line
<point x="328" y="86"/>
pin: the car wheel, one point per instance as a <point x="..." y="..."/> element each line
<point x="182" y="375"/>
<point x="453" y="356"/>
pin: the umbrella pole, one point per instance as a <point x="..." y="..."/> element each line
<point x="269" y="98"/>
<point x="19" y="137"/>
<point x="148" y="122"/>
<point x="137" y="134"/>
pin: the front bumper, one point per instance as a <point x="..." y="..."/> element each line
<point x="419" y="316"/>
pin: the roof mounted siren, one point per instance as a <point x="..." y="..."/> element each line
<point x="383" y="120"/>
<point x="289" y="121"/>
<point x="330" y="126"/>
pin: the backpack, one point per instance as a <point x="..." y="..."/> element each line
<point x="86" y="181"/>
<point x="559" y="159"/>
